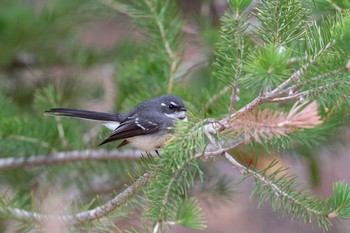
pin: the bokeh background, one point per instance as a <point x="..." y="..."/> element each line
<point x="79" y="46"/>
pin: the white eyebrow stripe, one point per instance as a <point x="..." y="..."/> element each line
<point x="174" y="103"/>
<point x="163" y="104"/>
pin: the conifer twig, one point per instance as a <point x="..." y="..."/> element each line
<point x="278" y="192"/>
<point x="238" y="65"/>
<point x="68" y="157"/>
<point x="173" y="59"/>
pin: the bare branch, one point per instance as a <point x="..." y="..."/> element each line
<point x="68" y="157"/>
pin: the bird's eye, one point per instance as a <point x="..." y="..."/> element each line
<point x="171" y="106"/>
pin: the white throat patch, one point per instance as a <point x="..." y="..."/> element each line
<point x="177" y="115"/>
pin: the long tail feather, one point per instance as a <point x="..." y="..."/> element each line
<point x="84" y="114"/>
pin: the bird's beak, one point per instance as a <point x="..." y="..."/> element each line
<point x="182" y="115"/>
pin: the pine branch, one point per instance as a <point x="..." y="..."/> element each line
<point x="68" y="157"/>
<point x="281" y="22"/>
<point x="269" y="96"/>
<point x="292" y="89"/>
<point x="308" y="93"/>
<point x="230" y="51"/>
<point x="297" y="74"/>
<point x="301" y="205"/>
<point x="85" y="216"/>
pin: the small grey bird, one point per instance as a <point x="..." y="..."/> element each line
<point x="145" y="126"/>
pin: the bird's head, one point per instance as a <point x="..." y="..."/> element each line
<point x="173" y="107"/>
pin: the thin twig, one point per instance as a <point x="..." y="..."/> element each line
<point x="295" y="87"/>
<point x="85" y="216"/>
<point x="307" y="93"/>
<point x="60" y="129"/>
<point x="68" y="157"/>
<point x="238" y="66"/>
<point x="174" y="62"/>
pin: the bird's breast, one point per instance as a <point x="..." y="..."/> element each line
<point x="148" y="142"/>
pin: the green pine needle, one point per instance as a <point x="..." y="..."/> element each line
<point x="176" y="172"/>
<point x="266" y="68"/>
<point x="288" y="196"/>
<point x="281" y="22"/>
<point x="340" y="201"/>
<point x="189" y="214"/>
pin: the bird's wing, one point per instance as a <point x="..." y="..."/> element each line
<point x="135" y="126"/>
